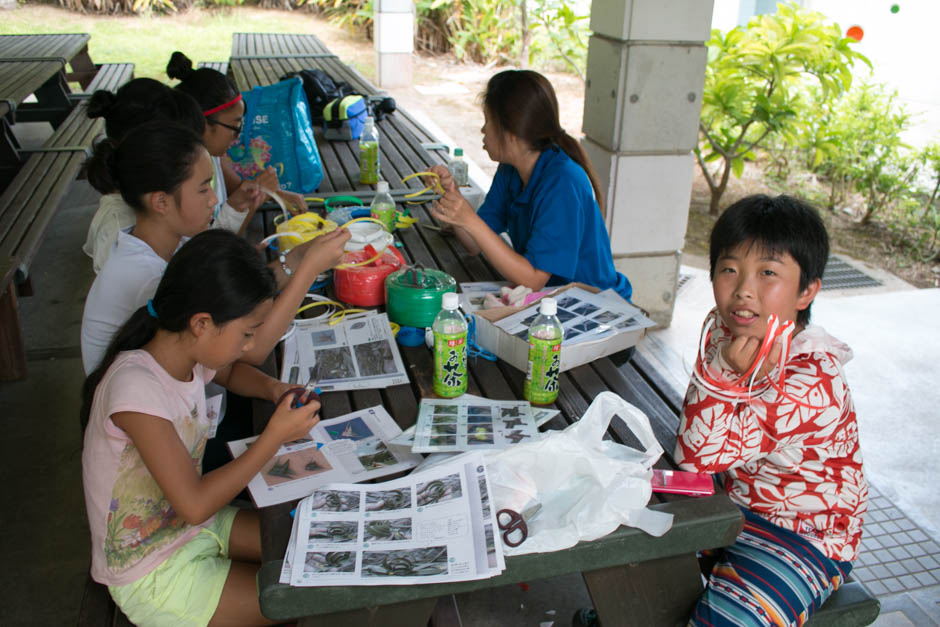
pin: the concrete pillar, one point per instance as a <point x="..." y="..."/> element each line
<point x="645" y="72"/>
<point x="394" y="37"/>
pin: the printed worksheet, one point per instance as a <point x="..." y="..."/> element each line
<point x="429" y="527"/>
<point x="462" y="424"/>
<point x="358" y="353"/>
<point x="584" y="316"/>
<point x="352" y="448"/>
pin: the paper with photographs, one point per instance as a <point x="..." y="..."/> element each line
<point x="428" y="527"/>
<point x="473" y="294"/>
<point x="353" y="447"/>
<point x="464" y="424"/>
<point x="358" y="353"/>
<point x="583" y="315"/>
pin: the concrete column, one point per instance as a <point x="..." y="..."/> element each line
<point x="394" y="37"/>
<point x="645" y="72"/>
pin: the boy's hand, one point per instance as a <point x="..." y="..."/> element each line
<point x="741" y="352"/>
<point x="324" y="252"/>
<point x="292" y="424"/>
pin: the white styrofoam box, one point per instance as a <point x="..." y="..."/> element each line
<point x="643" y="97"/>
<point x="394" y="69"/>
<point x="394" y="6"/>
<point x="394" y="33"/>
<point x="646" y="198"/>
<point x="515" y="351"/>
<point x="654" y="279"/>
<point x="653" y="20"/>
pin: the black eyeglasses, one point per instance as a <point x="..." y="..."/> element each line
<point x="235" y="129"/>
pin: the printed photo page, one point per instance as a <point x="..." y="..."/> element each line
<point x="358" y="353"/>
<point x="429" y="527"/>
<point x="349" y="448"/>
<point x="464" y="424"/>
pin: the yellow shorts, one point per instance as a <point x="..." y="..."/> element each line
<point x="186" y="588"/>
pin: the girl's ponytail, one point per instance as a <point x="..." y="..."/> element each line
<point x="575" y="150"/>
<point x="137" y="331"/>
<point x="179" y="66"/>
<point x="99" y="167"/>
<point x="209" y="87"/>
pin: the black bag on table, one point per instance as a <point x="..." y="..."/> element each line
<point x="320" y="89"/>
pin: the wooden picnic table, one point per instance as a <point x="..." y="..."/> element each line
<point x="68" y="48"/>
<point x="631" y="576"/>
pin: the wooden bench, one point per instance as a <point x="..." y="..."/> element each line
<point x="219" y="66"/>
<point x="28" y="205"/>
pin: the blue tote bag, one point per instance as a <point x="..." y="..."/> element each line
<point x="277" y="133"/>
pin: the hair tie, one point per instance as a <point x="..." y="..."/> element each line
<point x="222" y="107"/>
<point x="151" y="310"/>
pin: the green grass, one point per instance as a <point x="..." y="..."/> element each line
<point x="148" y="41"/>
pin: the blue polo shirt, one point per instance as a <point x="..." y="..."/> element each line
<point x="554" y="222"/>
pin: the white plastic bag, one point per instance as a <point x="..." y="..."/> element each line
<point x="572" y="485"/>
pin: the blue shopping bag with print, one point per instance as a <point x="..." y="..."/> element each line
<point x="277" y="133"/>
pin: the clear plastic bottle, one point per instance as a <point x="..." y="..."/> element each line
<point x="458" y="168"/>
<point x="545" y="336"/>
<point x="383" y="206"/>
<point x="450" y="349"/>
<point x="369" y="166"/>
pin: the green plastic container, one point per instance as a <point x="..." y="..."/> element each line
<point x="413" y="295"/>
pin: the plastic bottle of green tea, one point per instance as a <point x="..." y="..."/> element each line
<point x="369" y="166"/>
<point x="545" y="336"/>
<point x="450" y="349"/>
<point x="383" y="206"/>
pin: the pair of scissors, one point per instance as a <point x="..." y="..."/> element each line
<point x="513" y="526"/>
<point x="307" y="393"/>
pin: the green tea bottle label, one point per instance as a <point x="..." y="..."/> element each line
<point x="369" y="162"/>
<point x="450" y="364"/>
<point x="541" y="379"/>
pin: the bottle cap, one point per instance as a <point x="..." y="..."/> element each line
<point x="458" y="152"/>
<point x="370" y="119"/>
<point x="381" y="186"/>
<point x="548" y="307"/>
<point x="450" y="301"/>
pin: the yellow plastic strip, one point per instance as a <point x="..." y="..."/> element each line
<point x="436" y="187"/>
<point x="339" y="315"/>
<point x="343" y="266"/>
<point x="317" y="303"/>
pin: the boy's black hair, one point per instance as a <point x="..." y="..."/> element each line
<point x="780" y="224"/>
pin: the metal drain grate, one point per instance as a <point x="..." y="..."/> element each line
<point x="840" y="275"/>
<point x="683" y="279"/>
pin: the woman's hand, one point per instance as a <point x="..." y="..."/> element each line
<point x="451" y="207"/>
<point x="288" y="424"/>
<point x="741" y="352"/>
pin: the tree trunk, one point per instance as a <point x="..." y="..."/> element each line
<point x="719" y="189"/>
<point x="524" y="47"/>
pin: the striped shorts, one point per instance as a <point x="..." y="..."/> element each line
<point x="769" y="576"/>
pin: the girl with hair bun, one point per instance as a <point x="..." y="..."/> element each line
<point x="165" y="540"/>
<point x="136" y="102"/>
<point x="545" y="194"/>
<point x="223" y="109"/>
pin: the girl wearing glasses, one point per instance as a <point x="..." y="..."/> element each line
<point x="223" y="109"/>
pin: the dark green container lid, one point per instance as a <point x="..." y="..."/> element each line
<point x="413" y="295"/>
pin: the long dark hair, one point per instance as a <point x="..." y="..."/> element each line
<point x="216" y="272"/>
<point x="142" y="100"/>
<point x="152" y="157"/>
<point x="523" y="102"/>
<point x="209" y="87"/>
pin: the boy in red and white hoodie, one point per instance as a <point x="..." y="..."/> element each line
<point x="786" y="440"/>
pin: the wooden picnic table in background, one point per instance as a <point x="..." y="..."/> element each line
<point x="69" y="48"/>
<point x="629" y="574"/>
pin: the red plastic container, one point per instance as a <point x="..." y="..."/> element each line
<point x="364" y="286"/>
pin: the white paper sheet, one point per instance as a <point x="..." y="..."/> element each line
<point x="358" y="353"/>
<point x="429" y="527"/>
<point x="348" y="448"/>
<point x="462" y="424"/>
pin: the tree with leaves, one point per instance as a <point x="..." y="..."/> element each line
<point x="755" y="82"/>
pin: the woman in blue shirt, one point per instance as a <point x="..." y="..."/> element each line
<point x="545" y="194"/>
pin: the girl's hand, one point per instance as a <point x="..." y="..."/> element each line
<point x="323" y="252"/>
<point x="741" y="352"/>
<point x="246" y="196"/>
<point x="294" y="201"/>
<point x="289" y="424"/>
<point x="452" y="207"/>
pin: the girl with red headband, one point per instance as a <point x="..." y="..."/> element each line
<point x="223" y="109"/>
